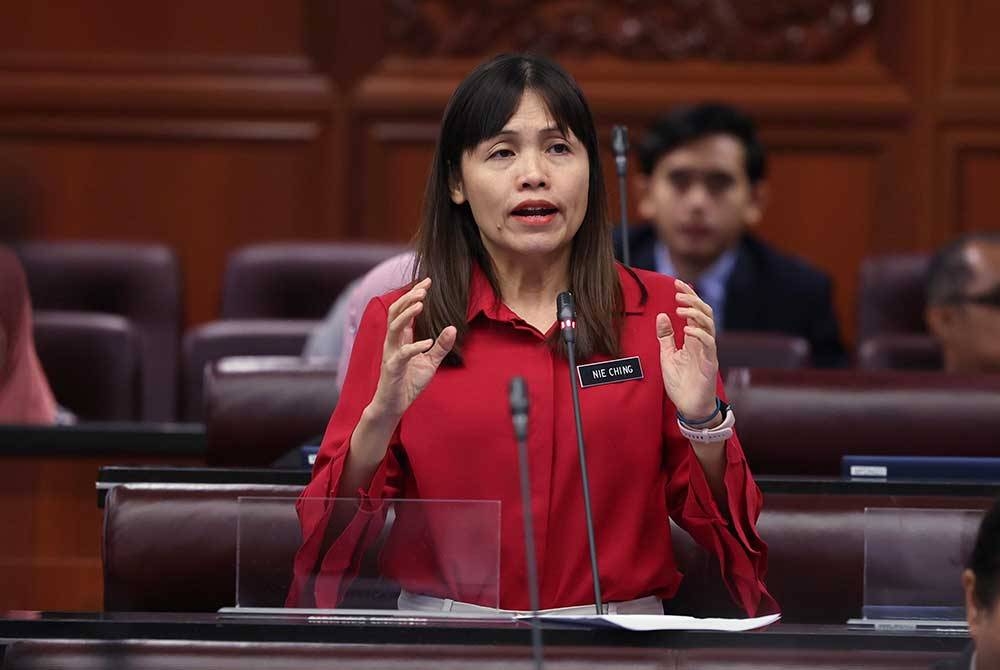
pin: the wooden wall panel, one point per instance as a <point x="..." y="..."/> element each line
<point x="182" y="27"/>
<point x="974" y="162"/>
<point x="971" y="58"/>
<point x="202" y="195"/>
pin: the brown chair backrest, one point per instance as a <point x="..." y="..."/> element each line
<point x="762" y="350"/>
<point x="258" y="408"/>
<point x="92" y="363"/>
<point x="173" y="547"/>
<point x="295" y="280"/>
<point x="891" y="294"/>
<point x="899" y="351"/>
<point x="141" y="282"/>
<point x="244" y="337"/>
<point x="803" y="422"/>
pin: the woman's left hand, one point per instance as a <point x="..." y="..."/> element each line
<point x="689" y="373"/>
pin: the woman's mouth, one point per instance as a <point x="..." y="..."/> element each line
<point x="535" y="215"/>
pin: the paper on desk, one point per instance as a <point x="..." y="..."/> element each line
<point x="644" y="622"/>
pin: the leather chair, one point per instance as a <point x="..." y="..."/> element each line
<point x="258" y="408"/>
<point x="141" y="282"/>
<point x="92" y="362"/>
<point x="762" y="350"/>
<point x="295" y="280"/>
<point x="244" y="337"/>
<point x="891" y="294"/>
<point x="801" y="422"/>
<point x="899" y="351"/>
<point x="173" y="547"/>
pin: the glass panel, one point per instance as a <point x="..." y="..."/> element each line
<point x="914" y="560"/>
<point x="442" y="548"/>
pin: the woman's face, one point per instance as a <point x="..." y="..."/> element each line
<point x="527" y="186"/>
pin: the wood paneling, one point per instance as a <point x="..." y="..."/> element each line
<point x="50" y="557"/>
<point x="200" y="194"/>
<point x="181" y="26"/>
<point x="972" y="159"/>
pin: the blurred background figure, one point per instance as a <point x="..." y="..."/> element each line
<point x="981" y="582"/>
<point x="25" y="396"/>
<point x="334" y="337"/>
<point x="963" y="302"/>
<point x="701" y="192"/>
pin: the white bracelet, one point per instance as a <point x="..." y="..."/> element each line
<point x="720" y="433"/>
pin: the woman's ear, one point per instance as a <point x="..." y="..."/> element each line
<point x="455" y="187"/>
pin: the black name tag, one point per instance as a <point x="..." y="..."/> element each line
<point x="609" y="372"/>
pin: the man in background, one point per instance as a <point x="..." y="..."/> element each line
<point x="963" y="303"/>
<point x="701" y="192"/>
<point x="981" y="583"/>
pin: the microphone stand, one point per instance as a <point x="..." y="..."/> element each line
<point x="519" y="415"/>
<point x="567" y="324"/>
<point x="619" y="145"/>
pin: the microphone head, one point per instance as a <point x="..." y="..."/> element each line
<point x="619" y="140"/>
<point x="565" y="309"/>
<point x="518" y="396"/>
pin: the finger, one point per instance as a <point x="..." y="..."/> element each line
<point x="703" y="338"/>
<point x="692" y="300"/>
<point x="395" y="336"/>
<point x="445" y="341"/>
<point x="417" y="292"/>
<point x="665" y="332"/>
<point x="408" y="351"/>
<point x="698" y="318"/>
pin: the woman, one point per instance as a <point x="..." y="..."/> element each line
<point x="515" y="213"/>
<point x="25" y="397"/>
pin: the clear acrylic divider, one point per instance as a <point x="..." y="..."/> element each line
<point x="913" y="563"/>
<point x="448" y="549"/>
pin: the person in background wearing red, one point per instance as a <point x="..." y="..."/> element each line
<point x="25" y="396"/>
<point x="516" y="213"/>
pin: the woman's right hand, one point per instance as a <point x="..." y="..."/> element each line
<point x="407" y="366"/>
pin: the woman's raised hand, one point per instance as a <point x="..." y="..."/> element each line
<point x="408" y="366"/>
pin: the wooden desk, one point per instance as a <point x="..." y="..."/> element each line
<point x="145" y="640"/>
<point x="50" y="549"/>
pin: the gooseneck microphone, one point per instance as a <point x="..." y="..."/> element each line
<point x="619" y="145"/>
<point x="518" y="399"/>
<point x="566" y="313"/>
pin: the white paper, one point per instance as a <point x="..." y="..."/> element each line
<point x="643" y="622"/>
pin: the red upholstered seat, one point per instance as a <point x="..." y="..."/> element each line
<point x="140" y="282"/>
<point x="295" y="280"/>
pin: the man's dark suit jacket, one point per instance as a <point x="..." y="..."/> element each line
<point x="963" y="662"/>
<point x="767" y="292"/>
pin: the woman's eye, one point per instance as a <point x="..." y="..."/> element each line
<point x="560" y="148"/>
<point x="502" y="153"/>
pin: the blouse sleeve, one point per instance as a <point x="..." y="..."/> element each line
<point x="325" y="587"/>
<point x="731" y="536"/>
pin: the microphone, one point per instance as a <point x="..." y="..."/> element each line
<point x="518" y="399"/>
<point x="566" y="313"/>
<point x="619" y="145"/>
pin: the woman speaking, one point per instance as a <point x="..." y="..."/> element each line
<point x="515" y="213"/>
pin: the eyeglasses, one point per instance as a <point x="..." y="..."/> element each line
<point x="989" y="299"/>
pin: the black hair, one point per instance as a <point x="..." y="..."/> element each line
<point x="949" y="273"/>
<point x="985" y="559"/>
<point x="684" y="125"/>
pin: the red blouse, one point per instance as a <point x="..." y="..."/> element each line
<point x="456" y="442"/>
